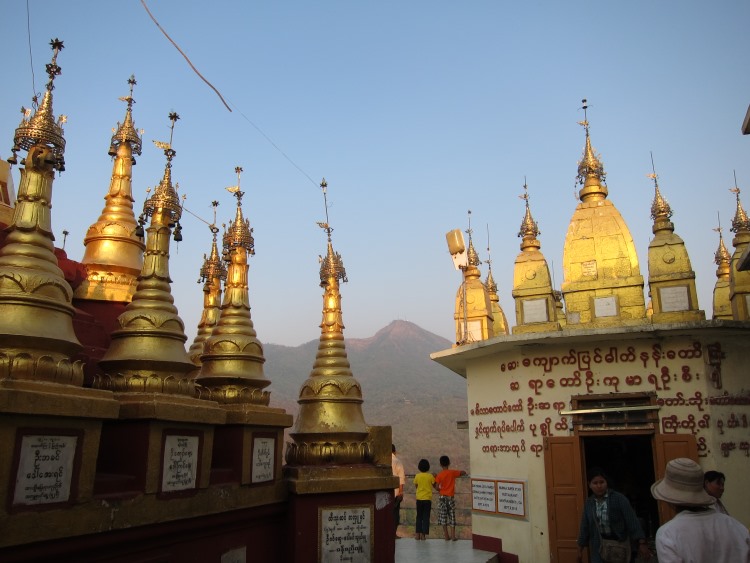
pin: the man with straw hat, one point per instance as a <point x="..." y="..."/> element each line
<point x="698" y="533"/>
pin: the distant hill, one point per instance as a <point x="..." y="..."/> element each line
<point x="402" y="387"/>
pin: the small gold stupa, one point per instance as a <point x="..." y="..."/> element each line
<point x="232" y="361"/>
<point x="36" y="312"/>
<point x="499" y="320"/>
<point x="722" y="306"/>
<point x="739" y="281"/>
<point x="114" y="252"/>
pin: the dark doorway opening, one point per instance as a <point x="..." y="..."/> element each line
<point x="628" y="461"/>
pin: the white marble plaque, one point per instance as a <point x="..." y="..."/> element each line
<point x="674" y="299"/>
<point x="483" y="495"/>
<point x="589" y="268"/>
<point x="180" y="463"/>
<point x="345" y="534"/>
<point x="535" y="311"/>
<point x="605" y="306"/>
<point x="45" y="469"/>
<point x="263" y="458"/>
<point x="511" y="499"/>
<point x="474" y="331"/>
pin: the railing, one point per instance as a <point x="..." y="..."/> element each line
<point x="463" y="510"/>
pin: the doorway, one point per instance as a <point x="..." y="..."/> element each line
<point x="628" y="461"/>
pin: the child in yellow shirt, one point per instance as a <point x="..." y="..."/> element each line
<point x="424" y="482"/>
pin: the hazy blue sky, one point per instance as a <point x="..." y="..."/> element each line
<point x="414" y="111"/>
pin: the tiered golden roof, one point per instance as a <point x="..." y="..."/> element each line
<point x="473" y="311"/>
<point x="602" y="283"/>
<point x="722" y="305"/>
<point x="232" y="361"/>
<point x="739" y="281"/>
<point x="147" y="354"/>
<point x="212" y="274"/>
<point x="671" y="278"/>
<point x="536" y="307"/>
<point x="36" y="312"/>
<point x="330" y="428"/>
<point x="114" y="252"/>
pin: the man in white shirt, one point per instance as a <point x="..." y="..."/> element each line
<point x="698" y="533"/>
<point x="398" y="494"/>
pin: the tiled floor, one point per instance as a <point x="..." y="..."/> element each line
<point x="409" y="550"/>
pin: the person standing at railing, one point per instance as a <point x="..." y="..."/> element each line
<point x="445" y="483"/>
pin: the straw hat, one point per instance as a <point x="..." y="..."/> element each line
<point x="682" y="484"/>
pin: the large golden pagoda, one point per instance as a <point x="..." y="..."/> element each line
<point x="536" y="305"/>
<point x="212" y="273"/>
<point x="602" y="283"/>
<point x="147" y="354"/>
<point x="722" y="306"/>
<point x="232" y="361"/>
<point x="739" y="280"/>
<point x="671" y="278"/>
<point x="114" y="252"/>
<point x="473" y="312"/>
<point x="36" y="312"/>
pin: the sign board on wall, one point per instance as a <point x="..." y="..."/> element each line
<point x="505" y="497"/>
<point x="345" y="534"/>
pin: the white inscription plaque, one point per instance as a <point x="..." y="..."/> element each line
<point x="510" y="498"/>
<point x="483" y="495"/>
<point x="45" y="469"/>
<point x="674" y="299"/>
<point x="589" y="268"/>
<point x="605" y="307"/>
<point x="535" y="311"/>
<point x="345" y="534"/>
<point x="263" y="458"/>
<point x="180" y="463"/>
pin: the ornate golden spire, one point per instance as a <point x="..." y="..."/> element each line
<point x="722" y="305"/>
<point x="37" y="340"/>
<point x="114" y="253"/>
<point x="499" y="320"/>
<point x="232" y="362"/>
<point x="590" y="168"/>
<point x="41" y="129"/>
<point x="147" y="354"/>
<point x="330" y="427"/>
<point x="739" y="280"/>
<point x="529" y="228"/>
<point x="212" y="273"/>
<point x="661" y="212"/>
<point x="740" y="223"/>
<point x="722" y="256"/>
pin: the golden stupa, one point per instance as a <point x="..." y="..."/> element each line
<point x="232" y="361"/>
<point x="36" y="312"/>
<point x="147" y="353"/>
<point x="114" y="252"/>
<point x="212" y="274"/>
<point x="739" y="280"/>
<point x="671" y="279"/>
<point x="499" y="320"/>
<point x="536" y="305"/>
<point x="722" y="306"/>
<point x="602" y="284"/>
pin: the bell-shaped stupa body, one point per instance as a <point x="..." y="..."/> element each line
<point x="671" y="278"/>
<point x="739" y="281"/>
<point x="37" y="340"/>
<point x="147" y="353"/>
<point x="330" y="428"/>
<point x="473" y="312"/>
<point x="602" y="285"/>
<point x="232" y="361"/>
<point x="722" y="306"/>
<point x="536" y="305"/>
<point x="213" y="272"/>
<point x="114" y="253"/>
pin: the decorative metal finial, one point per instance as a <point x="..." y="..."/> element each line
<point x="213" y="265"/>
<point x="65" y="238"/>
<point x="741" y="222"/>
<point x="585" y="122"/>
<point x="529" y="228"/>
<point x="331" y="265"/>
<point x="236" y="189"/>
<point x="239" y="234"/>
<point x="590" y="164"/>
<point x="660" y="208"/>
<point x="126" y="131"/>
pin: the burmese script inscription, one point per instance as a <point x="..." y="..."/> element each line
<point x="345" y="534"/>
<point x="180" y="463"/>
<point x="263" y="450"/>
<point x="45" y="469"/>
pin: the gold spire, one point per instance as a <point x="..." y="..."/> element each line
<point x="212" y="273"/>
<point x="40" y="128"/>
<point x="722" y="305"/>
<point x="739" y="280"/>
<point x="36" y="314"/>
<point x="232" y="360"/>
<point x="114" y="252"/>
<point x="330" y="427"/>
<point x="529" y="228"/>
<point x="147" y="353"/>
<point x="661" y="212"/>
<point x="590" y="168"/>
<point x="740" y="223"/>
<point x="499" y="320"/>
